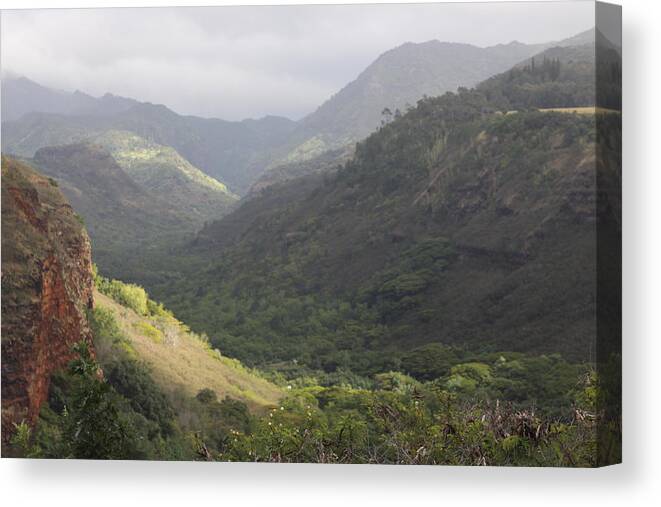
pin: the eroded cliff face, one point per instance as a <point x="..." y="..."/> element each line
<point x="47" y="286"/>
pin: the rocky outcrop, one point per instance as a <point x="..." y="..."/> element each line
<point x="47" y="287"/>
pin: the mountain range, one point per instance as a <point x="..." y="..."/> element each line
<point x="231" y="152"/>
<point x="237" y="153"/>
<point x="180" y="171"/>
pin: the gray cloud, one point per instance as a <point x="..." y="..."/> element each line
<point x="237" y="62"/>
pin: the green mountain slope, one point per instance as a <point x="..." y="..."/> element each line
<point x="456" y="223"/>
<point x="166" y="174"/>
<point x="561" y="76"/>
<point x="557" y="77"/>
<point x="402" y="76"/>
<point x="138" y="198"/>
<point x="326" y="162"/>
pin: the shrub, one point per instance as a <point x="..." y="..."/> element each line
<point x="429" y="361"/>
<point x="129" y="295"/>
<point x="94" y="425"/>
<point x="132" y="380"/>
<point x="145" y="328"/>
<point x="206" y="395"/>
<point x="479" y="372"/>
<point x="395" y="381"/>
<point x="104" y="326"/>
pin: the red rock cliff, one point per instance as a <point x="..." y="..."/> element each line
<point x="46" y="288"/>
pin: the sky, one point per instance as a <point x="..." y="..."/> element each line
<point x="248" y="62"/>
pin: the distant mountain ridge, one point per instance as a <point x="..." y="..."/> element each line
<point x="397" y="78"/>
<point x="234" y="153"/>
<point x="21" y="96"/>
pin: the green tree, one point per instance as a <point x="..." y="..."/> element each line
<point x="94" y="427"/>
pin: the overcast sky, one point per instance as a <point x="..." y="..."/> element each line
<point x="240" y="62"/>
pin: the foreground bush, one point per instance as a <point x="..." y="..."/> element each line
<point x="419" y="427"/>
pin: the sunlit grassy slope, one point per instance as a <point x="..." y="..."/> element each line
<point x="181" y="361"/>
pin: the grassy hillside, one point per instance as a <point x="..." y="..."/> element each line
<point x="133" y="412"/>
<point x="182" y="361"/>
<point x="341" y="417"/>
<point x="148" y="388"/>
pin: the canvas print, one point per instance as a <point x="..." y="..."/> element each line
<point x="377" y="234"/>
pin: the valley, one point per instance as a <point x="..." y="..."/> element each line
<point x="405" y="275"/>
